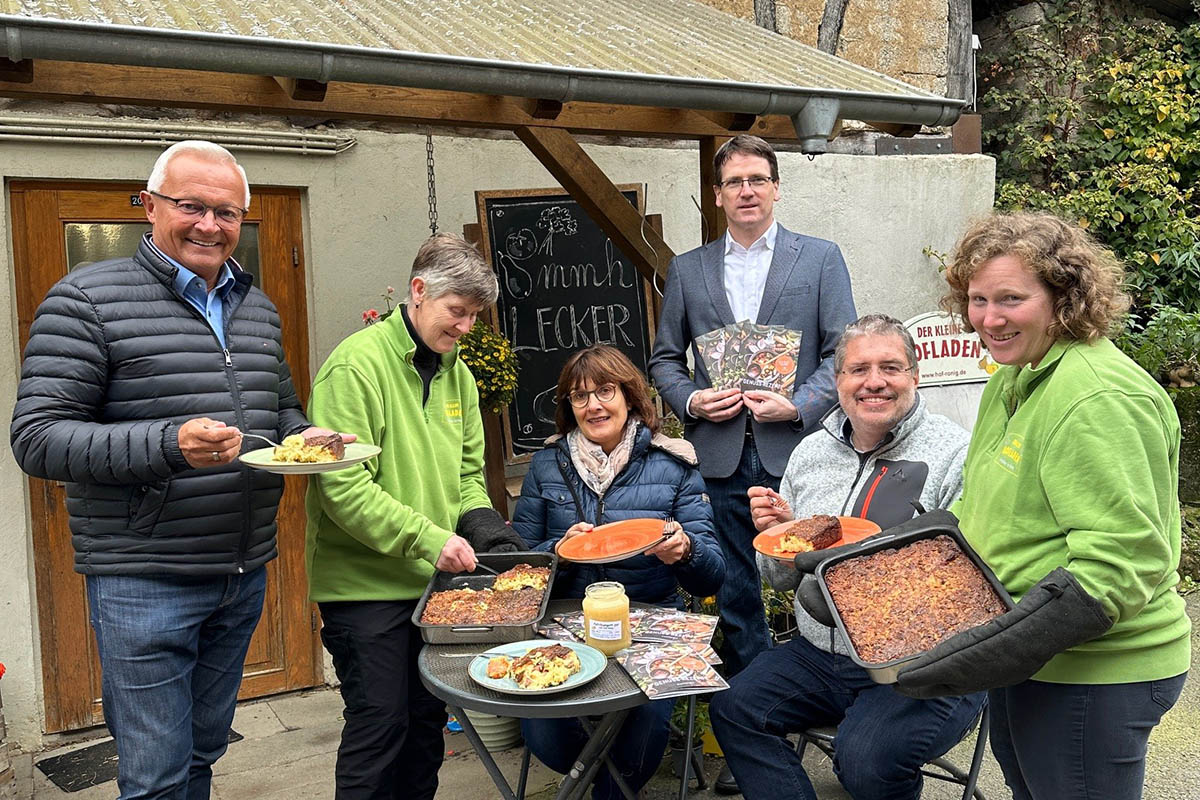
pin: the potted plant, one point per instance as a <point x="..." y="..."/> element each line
<point x="1168" y="347"/>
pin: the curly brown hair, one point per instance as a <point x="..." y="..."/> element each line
<point x="1084" y="277"/>
<point x="601" y="364"/>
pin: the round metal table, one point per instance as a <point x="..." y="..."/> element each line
<point x="443" y="670"/>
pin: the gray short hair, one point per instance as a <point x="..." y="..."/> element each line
<point x="196" y="147"/>
<point x="875" y="325"/>
<point x="449" y="264"/>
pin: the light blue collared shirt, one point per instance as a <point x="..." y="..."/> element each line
<point x="194" y="289"/>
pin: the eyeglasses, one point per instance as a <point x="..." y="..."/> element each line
<point x="888" y="369"/>
<point x="580" y="398"/>
<point x="755" y="181"/>
<point x="226" y="216"/>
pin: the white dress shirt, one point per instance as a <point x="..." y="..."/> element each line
<point x="746" y="271"/>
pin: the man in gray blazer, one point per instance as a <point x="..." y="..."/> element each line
<point x="761" y="272"/>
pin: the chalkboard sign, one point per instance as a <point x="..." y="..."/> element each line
<point x="564" y="286"/>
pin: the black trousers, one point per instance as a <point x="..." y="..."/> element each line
<point x="392" y="744"/>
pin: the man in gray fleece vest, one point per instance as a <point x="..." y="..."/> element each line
<point x="882" y="456"/>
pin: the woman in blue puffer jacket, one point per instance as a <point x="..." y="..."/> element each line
<point x="607" y="463"/>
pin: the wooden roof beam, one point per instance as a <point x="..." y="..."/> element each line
<point x="583" y="179"/>
<point x="254" y="94"/>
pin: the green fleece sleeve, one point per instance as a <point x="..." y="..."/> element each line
<point x="344" y="399"/>
<point x="1107" y="474"/>
<point x="472" y="487"/>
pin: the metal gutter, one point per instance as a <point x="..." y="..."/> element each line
<point x="814" y="111"/>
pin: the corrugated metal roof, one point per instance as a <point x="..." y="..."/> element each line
<point x="679" y="38"/>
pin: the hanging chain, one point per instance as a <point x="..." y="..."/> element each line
<point x="432" y="186"/>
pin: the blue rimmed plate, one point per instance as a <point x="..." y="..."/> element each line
<point x="591" y="659"/>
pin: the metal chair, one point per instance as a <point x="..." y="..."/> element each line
<point x="943" y="770"/>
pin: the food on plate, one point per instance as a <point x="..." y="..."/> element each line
<point x="498" y="667"/>
<point x="513" y="599"/>
<point x="522" y="576"/>
<point x="296" y="449"/>
<point x="543" y="667"/>
<point x="806" y="535"/>
<point x="902" y="601"/>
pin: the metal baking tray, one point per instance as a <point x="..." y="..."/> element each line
<point x="488" y="634"/>
<point x="887" y="671"/>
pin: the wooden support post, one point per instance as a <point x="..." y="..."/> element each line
<point x="304" y="89"/>
<point x="712" y="218"/>
<point x="16" y="71"/>
<point x="575" y="171"/>
<point x="493" y="431"/>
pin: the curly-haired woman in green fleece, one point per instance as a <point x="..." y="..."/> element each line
<point x="376" y="532"/>
<point x="1070" y="496"/>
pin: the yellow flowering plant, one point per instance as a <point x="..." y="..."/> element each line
<point x="491" y="359"/>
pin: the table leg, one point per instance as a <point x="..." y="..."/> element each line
<point x="583" y="771"/>
<point x="489" y="763"/>
<point x="524" y="774"/>
<point x="618" y="778"/>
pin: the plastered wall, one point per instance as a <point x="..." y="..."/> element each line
<point x="365" y="212"/>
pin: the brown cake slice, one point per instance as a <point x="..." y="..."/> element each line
<point x="330" y="441"/>
<point x="814" y="533"/>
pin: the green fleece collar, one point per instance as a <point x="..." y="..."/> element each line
<point x="402" y="343"/>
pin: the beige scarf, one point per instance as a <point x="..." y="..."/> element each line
<point x="597" y="468"/>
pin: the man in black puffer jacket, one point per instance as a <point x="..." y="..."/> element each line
<point x="138" y="378"/>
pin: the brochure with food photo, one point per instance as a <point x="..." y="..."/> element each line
<point x="749" y="356"/>
<point x="772" y="364"/>
<point x="557" y="632"/>
<point x="670" y="625"/>
<point x="669" y="669"/>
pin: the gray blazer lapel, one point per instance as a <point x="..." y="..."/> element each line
<point x="783" y="262"/>
<point x="712" y="266"/>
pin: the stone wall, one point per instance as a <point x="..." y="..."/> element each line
<point x="905" y="39"/>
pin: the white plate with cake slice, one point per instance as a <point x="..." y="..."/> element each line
<point x="264" y="459"/>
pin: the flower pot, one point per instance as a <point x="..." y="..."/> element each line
<point x="679" y="756"/>
<point x="497" y="733"/>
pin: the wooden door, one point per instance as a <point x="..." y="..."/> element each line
<point x="57" y="226"/>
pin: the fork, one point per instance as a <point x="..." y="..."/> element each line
<point x="265" y="439"/>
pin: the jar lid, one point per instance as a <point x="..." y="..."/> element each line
<point x="605" y="587"/>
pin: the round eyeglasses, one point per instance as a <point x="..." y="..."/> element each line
<point x="580" y="398"/>
<point x="193" y="209"/>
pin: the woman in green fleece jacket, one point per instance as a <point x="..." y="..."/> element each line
<point x="376" y="532"/>
<point x="1070" y="496"/>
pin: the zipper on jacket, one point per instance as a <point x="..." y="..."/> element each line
<point x="871" y="491"/>
<point x="863" y="458"/>
<point x="228" y="358"/>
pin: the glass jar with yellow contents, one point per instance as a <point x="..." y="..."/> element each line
<point x="606" y="617"/>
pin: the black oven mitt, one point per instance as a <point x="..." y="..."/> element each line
<point x="487" y="532"/>
<point x="1053" y="616"/>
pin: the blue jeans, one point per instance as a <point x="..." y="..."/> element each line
<point x="883" y="738"/>
<point x="171" y="650"/>
<point x="1063" y="741"/>
<point x="637" y="752"/>
<point x="743" y="619"/>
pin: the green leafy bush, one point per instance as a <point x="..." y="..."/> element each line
<point x="1096" y="117"/>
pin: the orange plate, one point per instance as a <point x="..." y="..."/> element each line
<point x="613" y="542"/>
<point x="853" y="529"/>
